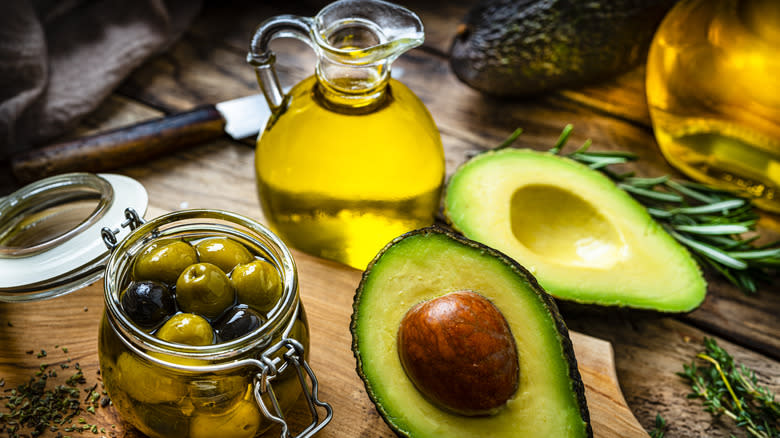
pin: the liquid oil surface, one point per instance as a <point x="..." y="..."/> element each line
<point x="341" y="184"/>
<point x="714" y="93"/>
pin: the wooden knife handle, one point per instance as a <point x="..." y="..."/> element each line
<point x="120" y="147"/>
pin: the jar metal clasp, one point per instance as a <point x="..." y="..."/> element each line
<point x="263" y="385"/>
<point x="132" y="220"/>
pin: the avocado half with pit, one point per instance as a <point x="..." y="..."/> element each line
<point x="582" y="237"/>
<point x="454" y="339"/>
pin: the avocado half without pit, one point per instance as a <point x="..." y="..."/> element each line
<point x="455" y="339"/>
<point x="582" y="237"/>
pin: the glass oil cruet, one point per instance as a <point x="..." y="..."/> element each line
<point x="350" y="158"/>
<point x="713" y="91"/>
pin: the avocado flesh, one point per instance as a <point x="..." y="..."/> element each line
<point x="584" y="239"/>
<point x="428" y="263"/>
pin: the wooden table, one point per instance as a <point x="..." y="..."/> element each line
<point x="208" y="65"/>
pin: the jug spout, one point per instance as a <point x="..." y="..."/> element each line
<point x="366" y="32"/>
<point x="355" y="41"/>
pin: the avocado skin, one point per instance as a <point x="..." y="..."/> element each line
<point x="521" y="48"/>
<point x="563" y="333"/>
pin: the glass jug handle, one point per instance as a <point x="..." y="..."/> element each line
<point x="262" y="58"/>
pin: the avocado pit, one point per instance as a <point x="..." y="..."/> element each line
<point x="458" y="351"/>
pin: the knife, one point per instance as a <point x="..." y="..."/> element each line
<point x="239" y="118"/>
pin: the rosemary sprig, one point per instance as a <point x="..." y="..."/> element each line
<point x="709" y="222"/>
<point x="732" y="390"/>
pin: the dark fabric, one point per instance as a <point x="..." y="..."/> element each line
<point x="60" y="58"/>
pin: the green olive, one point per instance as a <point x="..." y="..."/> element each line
<point x="204" y="289"/>
<point x="156" y="420"/>
<point x="223" y="252"/>
<point x="188" y="329"/>
<point x="164" y="261"/>
<point x="242" y="421"/>
<point x="257" y="284"/>
<point x="216" y="393"/>
<point x="148" y="383"/>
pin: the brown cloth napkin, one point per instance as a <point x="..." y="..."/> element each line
<point x="60" y="58"/>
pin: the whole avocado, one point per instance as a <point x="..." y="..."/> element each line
<point x="521" y="48"/>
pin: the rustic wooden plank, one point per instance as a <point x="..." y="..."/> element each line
<point x="757" y="328"/>
<point x="649" y="350"/>
<point x="604" y="396"/>
<point x="234" y="23"/>
<point x="114" y="112"/>
<point x="621" y="97"/>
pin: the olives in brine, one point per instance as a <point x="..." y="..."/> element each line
<point x="204" y="289"/>
<point x="188" y="329"/>
<point x="223" y="252"/>
<point x="218" y="393"/>
<point x="242" y="421"/>
<point x="239" y="321"/>
<point x="257" y="284"/>
<point x="147" y="383"/>
<point x="148" y="303"/>
<point x="164" y="261"/>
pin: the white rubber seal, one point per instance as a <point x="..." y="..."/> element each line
<point x="80" y="251"/>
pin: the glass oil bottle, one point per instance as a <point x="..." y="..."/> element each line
<point x="713" y="89"/>
<point x="350" y="158"/>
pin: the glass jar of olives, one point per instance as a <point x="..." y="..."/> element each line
<point x="204" y="333"/>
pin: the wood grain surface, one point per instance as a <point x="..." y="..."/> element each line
<point x="208" y="65"/>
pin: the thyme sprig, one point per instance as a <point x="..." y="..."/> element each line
<point x="729" y="389"/>
<point x="717" y="226"/>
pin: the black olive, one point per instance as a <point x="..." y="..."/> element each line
<point x="148" y="303"/>
<point x="237" y="322"/>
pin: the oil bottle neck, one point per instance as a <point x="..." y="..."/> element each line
<point x="352" y="88"/>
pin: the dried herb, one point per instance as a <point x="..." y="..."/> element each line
<point x="710" y="222"/>
<point x="732" y="389"/>
<point x="36" y="406"/>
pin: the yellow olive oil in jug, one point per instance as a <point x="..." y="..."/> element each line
<point x="713" y="89"/>
<point x="350" y="158"/>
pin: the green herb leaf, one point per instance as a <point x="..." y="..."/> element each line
<point x="731" y="389"/>
<point x="660" y="427"/>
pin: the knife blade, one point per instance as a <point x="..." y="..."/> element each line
<point x="238" y="118"/>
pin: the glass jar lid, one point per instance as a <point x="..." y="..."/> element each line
<point x="50" y="232"/>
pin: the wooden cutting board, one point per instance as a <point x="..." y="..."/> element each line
<point x="71" y="322"/>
